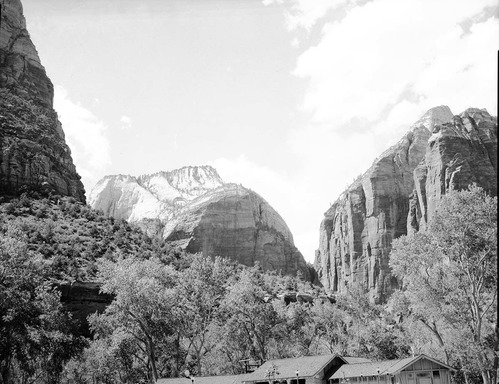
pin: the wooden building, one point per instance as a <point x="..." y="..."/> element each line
<point x="335" y="369"/>
<point x="412" y="370"/>
<point x="300" y="370"/>
<point x="233" y="379"/>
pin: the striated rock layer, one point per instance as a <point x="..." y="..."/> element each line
<point x="194" y="209"/>
<point x="459" y="153"/>
<point x="33" y="151"/>
<point x="357" y="231"/>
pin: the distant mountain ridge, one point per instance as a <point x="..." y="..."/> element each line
<point x="195" y="210"/>
<point x="152" y="196"/>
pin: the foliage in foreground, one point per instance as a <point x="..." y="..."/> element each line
<point x="36" y="337"/>
<point x="449" y="274"/>
<point x="211" y="315"/>
<point x="173" y="312"/>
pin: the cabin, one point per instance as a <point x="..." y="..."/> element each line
<point x="300" y="370"/>
<point x="335" y="369"/>
<point x="233" y="379"/>
<point x="419" y="369"/>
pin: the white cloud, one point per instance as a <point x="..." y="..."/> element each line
<point x="305" y="13"/>
<point x="373" y="73"/>
<point x="270" y="2"/>
<point x="369" y="61"/>
<point x="86" y="137"/>
<point x="126" y="122"/>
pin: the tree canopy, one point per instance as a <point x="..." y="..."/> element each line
<point x="449" y="277"/>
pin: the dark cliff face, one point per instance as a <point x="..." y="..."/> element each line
<point x="33" y="151"/>
<point x="399" y="195"/>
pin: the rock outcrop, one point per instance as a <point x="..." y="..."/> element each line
<point x="83" y="299"/>
<point x="33" y="151"/>
<point x="357" y="231"/>
<point x="195" y="210"/>
<point x="460" y="152"/>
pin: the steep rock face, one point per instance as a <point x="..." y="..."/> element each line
<point x="83" y="299"/>
<point x="357" y="231"/>
<point x="33" y="152"/>
<point x="460" y="152"/>
<point x="194" y="209"/>
<point x="20" y="66"/>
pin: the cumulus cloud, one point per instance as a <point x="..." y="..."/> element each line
<point x="388" y="52"/>
<point x="86" y="137"/>
<point x="374" y="70"/>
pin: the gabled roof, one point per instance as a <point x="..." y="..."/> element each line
<point x="404" y="363"/>
<point x="387" y="367"/>
<point x="307" y="366"/>
<point x="233" y="379"/>
<point x="355" y="360"/>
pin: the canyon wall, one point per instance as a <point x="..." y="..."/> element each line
<point x="33" y="151"/>
<point x="399" y="194"/>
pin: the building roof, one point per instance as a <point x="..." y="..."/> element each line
<point x="387" y="367"/>
<point x="307" y="366"/>
<point x="355" y="360"/>
<point x="232" y="379"/>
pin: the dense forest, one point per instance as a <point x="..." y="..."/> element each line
<point x="173" y="311"/>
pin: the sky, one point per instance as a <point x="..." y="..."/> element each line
<point x="291" y="98"/>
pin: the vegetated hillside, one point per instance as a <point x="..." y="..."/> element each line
<point x="71" y="236"/>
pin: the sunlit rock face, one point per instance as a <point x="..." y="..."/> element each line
<point x="20" y="66"/>
<point x="33" y="151"/>
<point x="459" y="153"/>
<point x="195" y="210"/>
<point x="358" y="229"/>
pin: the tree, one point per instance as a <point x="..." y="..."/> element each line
<point x="250" y="318"/>
<point x="449" y="276"/>
<point x="35" y="333"/>
<point x="201" y="288"/>
<point x="144" y="309"/>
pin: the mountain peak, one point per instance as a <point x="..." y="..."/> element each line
<point x="435" y="116"/>
<point x="188" y="178"/>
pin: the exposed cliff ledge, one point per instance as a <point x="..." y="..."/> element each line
<point x="194" y="209"/>
<point x="21" y="70"/>
<point x="459" y="153"/>
<point x="33" y="151"/>
<point x="357" y="231"/>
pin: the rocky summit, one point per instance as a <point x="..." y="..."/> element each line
<point x="33" y="151"/>
<point x="399" y="193"/>
<point x="195" y="210"/>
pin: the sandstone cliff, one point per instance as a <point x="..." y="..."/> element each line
<point x="33" y="152"/>
<point x="357" y="231"/>
<point x="459" y="153"/>
<point x="194" y="209"/>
